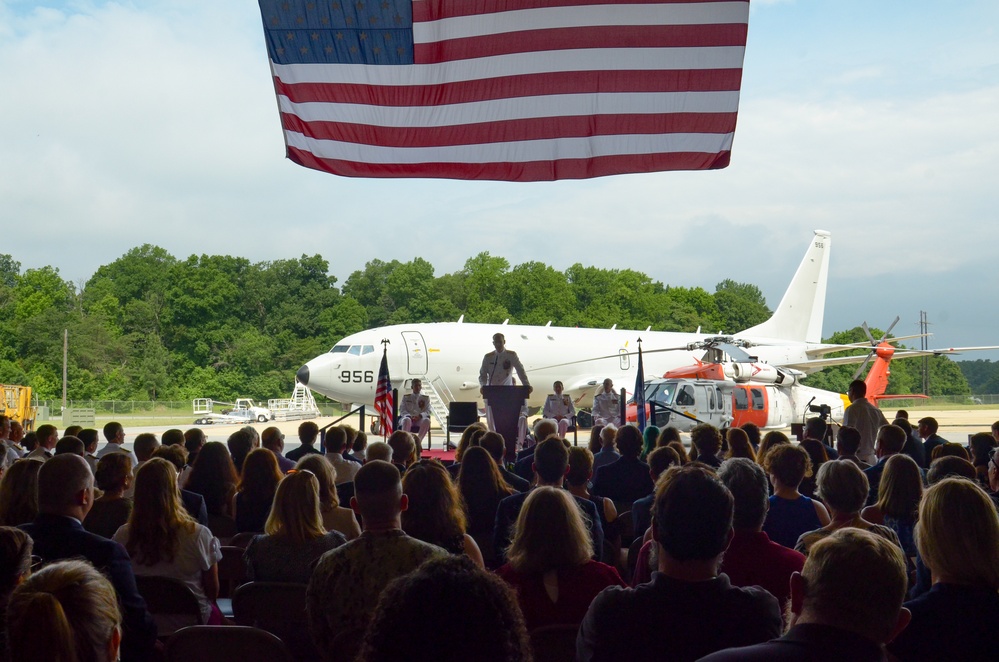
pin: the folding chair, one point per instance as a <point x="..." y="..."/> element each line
<point x="225" y="643"/>
<point x="222" y="527"/>
<point x="232" y="573"/>
<point x="278" y="608"/>
<point x="459" y="416"/>
<point x="171" y="602"/>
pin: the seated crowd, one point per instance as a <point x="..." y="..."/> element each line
<point x="633" y="549"/>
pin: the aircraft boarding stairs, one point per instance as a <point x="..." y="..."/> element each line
<point x="440" y="397"/>
<point x="301" y="405"/>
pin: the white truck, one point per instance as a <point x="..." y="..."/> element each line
<point x="244" y="410"/>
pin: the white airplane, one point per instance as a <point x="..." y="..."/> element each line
<point x="446" y="356"/>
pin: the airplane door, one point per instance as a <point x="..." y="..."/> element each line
<point x="625" y="359"/>
<point x="416" y="352"/>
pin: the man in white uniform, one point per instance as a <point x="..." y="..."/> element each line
<point x="497" y="369"/>
<point x="607" y="405"/>
<point x="415" y="410"/>
<point x="559" y="408"/>
<point x="864" y="416"/>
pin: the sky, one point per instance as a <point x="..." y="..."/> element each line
<point x="155" y="122"/>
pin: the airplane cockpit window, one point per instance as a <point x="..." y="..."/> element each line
<point x="368" y="349"/>
<point x="340" y="349"/>
<point x="355" y="350"/>
<point x="685" y="397"/>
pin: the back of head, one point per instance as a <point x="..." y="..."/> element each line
<point x="891" y="439"/>
<point x="950" y="466"/>
<point x="788" y="464"/>
<point x="494" y="444"/>
<point x="174" y="454"/>
<point x="307" y="432"/>
<point x="958" y="534"/>
<point x="360" y="442"/>
<point x="842" y="486"/>
<point x="551" y="458"/>
<point x="15" y="559"/>
<point x="545" y="428"/>
<point x="406" y="624"/>
<point x="89" y="437"/>
<point x="113" y="472"/>
<point x="157" y="514"/>
<point x="815" y="428"/>
<point x="770" y="440"/>
<point x="904" y="424"/>
<point x="753" y="430"/>
<point x="738" y="444"/>
<point x="240" y="444"/>
<point x="608" y="436"/>
<point x="111" y="430"/>
<point x="435" y="513"/>
<point x="60" y="481"/>
<point x="65" y="612"/>
<point x="901" y="488"/>
<point x="194" y="439"/>
<point x="629" y="441"/>
<point x="295" y="514"/>
<point x="173" y="437"/>
<point x="857" y="388"/>
<point x="336" y="440"/>
<point x="950" y="449"/>
<point x="680" y="451"/>
<point x="144" y="445"/>
<point x="73" y="445"/>
<point x="549" y="534"/>
<point x="19" y="492"/>
<point x="580" y="466"/>
<point x="981" y="444"/>
<point x="692" y="514"/>
<point x="930" y="424"/>
<point x="325" y="475"/>
<point x="377" y="489"/>
<point x="666" y="435"/>
<point x="856" y="581"/>
<point x="595" y="434"/>
<point x="403" y="447"/>
<point x="661" y="459"/>
<point x="261" y="475"/>
<point x="272" y="439"/>
<point x="44" y="433"/>
<point x="748" y="484"/>
<point x="472" y="431"/>
<point x="848" y="440"/>
<point x="379" y="450"/>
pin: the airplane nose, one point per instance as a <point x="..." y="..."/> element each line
<point x="303" y="375"/>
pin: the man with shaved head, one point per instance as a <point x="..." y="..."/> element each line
<point x="65" y="496"/>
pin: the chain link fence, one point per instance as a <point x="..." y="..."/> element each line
<point x="146" y="412"/>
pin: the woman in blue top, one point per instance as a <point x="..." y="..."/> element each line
<point x="791" y="513"/>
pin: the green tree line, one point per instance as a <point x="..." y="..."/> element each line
<point x="151" y="326"/>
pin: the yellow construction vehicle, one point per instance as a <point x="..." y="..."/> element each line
<point x="16" y="403"/>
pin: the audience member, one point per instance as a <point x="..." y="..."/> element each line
<point x="407" y="623"/>
<point x="550" y="562"/>
<point x="15" y="566"/>
<point x="112" y="509"/>
<point x="19" y="493"/>
<point x="65" y="496"/>
<point x="404" y="449"/>
<point x="661" y="459"/>
<point x="358" y="447"/>
<point x="240" y="443"/>
<point x="89" y="437"/>
<point x="335" y="517"/>
<point x="348" y="581"/>
<point x="707" y="441"/>
<point x="70" y="445"/>
<point x="608" y="449"/>
<point x="843" y="487"/>
<point x="913" y="445"/>
<point x="66" y="611"/>
<point x="10" y="450"/>
<point x="114" y="433"/>
<point x="47" y="437"/>
<point x="379" y="450"/>
<point x="436" y="514"/>
<point x="627" y="479"/>
<point x="595" y="442"/>
<point x="950" y="449"/>
<point x="273" y="440"/>
<point x="790" y="513"/>
<point x="753" y="431"/>
<point x="770" y="440"/>
<point x="176" y="455"/>
<point x="308" y="432"/>
<point x="164" y="541"/>
<point x="194" y="441"/>
<point x="482" y="487"/>
<point x="255" y="493"/>
<point x="72" y="431"/>
<point x="29" y="442"/>
<point x="578" y="483"/>
<point x="890" y="441"/>
<point x="336" y="446"/>
<point x="465" y="442"/>
<point x="738" y="444"/>
<point x="957" y="537"/>
<point x="752" y="559"/>
<point x="494" y="444"/>
<point x="551" y="464"/>
<point x="950" y="465"/>
<point x="817" y="456"/>
<point x="214" y="477"/>
<point x="981" y="445"/>
<point x="692" y="524"/>
<point x="897" y="507"/>
<point x="866" y="417"/>
<point x="845" y="604"/>
<point x="172" y="437"/>
<point x="650" y="436"/>
<point x="848" y="443"/>
<point x="927" y="431"/>
<point x="295" y="536"/>
<point x="680" y="451"/>
<point x="351" y="438"/>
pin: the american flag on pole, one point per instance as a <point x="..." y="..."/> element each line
<point x="383" y="397"/>
<point x="520" y="90"/>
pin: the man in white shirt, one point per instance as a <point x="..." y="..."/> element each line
<point x="415" y="410"/>
<point x="497" y="369"/>
<point x="607" y="405"/>
<point x="115" y="435"/>
<point x="47" y="437"/>
<point x="336" y="444"/>
<point x="864" y="416"/>
<point x="559" y="408"/>
<point x="11" y="452"/>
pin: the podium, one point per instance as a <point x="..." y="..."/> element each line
<point x="506" y="403"/>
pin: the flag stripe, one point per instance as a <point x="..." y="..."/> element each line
<point x="537" y="41"/>
<point x="516" y="151"/>
<point x="498" y="110"/>
<point x="517" y="64"/>
<point x="575" y="82"/>
<point x="428" y="10"/>
<point x="547" y="170"/>
<point x="526" y="129"/>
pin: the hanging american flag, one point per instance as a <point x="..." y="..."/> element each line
<point x="520" y="90"/>
<point x="383" y="397"/>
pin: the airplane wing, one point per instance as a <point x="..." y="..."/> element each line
<point x="816" y="364"/>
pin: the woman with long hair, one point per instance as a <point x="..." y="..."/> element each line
<point x="897" y="507"/>
<point x="19" y="493"/>
<point x="739" y="444"/>
<point x="467" y="440"/>
<point x="957" y="537"/>
<point x="295" y="536"/>
<point x="164" y="540"/>
<point x="818" y="456"/>
<point x="549" y="561"/>
<point x="255" y="493"/>
<point x="770" y="440"/>
<point x="578" y="477"/>
<point x="482" y="487"/>
<point x="334" y="516"/>
<point x="15" y="566"/>
<point x="214" y="477"/>
<point x="65" y="612"/>
<point x="435" y="513"/>
<point x="113" y="477"/>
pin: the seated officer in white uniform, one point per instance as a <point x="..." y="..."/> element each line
<point x="559" y="408"/>
<point x="415" y="410"/>
<point x="497" y="369"/>
<point x="607" y="406"/>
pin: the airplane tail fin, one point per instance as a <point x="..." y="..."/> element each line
<point x="799" y="315"/>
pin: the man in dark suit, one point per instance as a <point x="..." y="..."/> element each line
<point x="65" y="496"/>
<point x="928" y="433"/>
<point x="551" y="463"/>
<point x="627" y="479"/>
<point x="890" y="441"/>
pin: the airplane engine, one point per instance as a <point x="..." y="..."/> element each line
<point x="762" y="373"/>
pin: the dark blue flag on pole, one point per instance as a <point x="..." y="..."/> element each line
<point x="640" y="391"/>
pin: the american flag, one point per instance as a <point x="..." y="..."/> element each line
<point x="521" y="90"/>
<point x="383" y="397"/>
